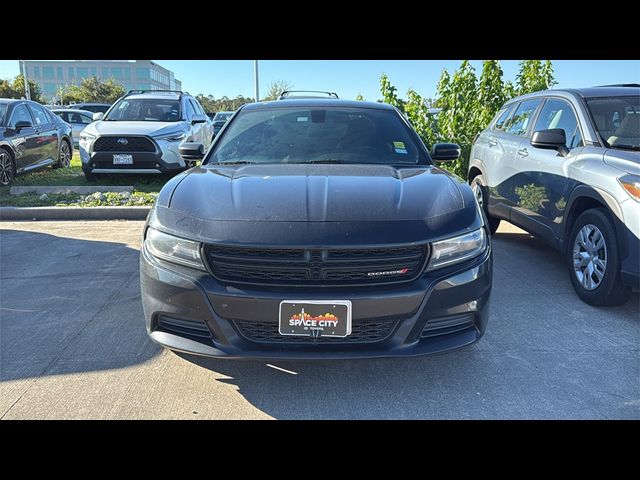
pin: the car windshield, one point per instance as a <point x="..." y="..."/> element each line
<point x="317" y="135"/>
<point x="617" y="120"/>
<point x="145" y="110"/>
<point x="3" y="112"/>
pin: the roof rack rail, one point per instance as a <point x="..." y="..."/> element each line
<point x="288" y="94"/>
<point x="133" y="92"/>
<point x="619" y="85"/>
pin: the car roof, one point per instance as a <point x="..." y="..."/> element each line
<point x="591" y="92"/>
<point x="11" y="100"/>
<point x="148" y="96"/>
<point x="71" y="110"/>
<point x="317" y="102"/>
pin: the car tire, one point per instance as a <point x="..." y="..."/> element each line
<point x="64" y="155"/>
<point x="90" y="177"/>
<point x="594" y="267"/>
<point x="7" y="168"/>
<point x="479" y="188"/>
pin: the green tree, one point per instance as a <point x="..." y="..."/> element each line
<point x="389" y="94"/>
<point x="534" y="75"/>
<point x="417" y="110"/>
<point x="492" y="93"/>
<point x="212" y="104"/>
<point x="92" y="89"/>
<point x="15" y="89"/>
<point x="359" y="97"/>
<point x="276" y="88"/>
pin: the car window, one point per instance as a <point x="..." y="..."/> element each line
<point x="558" y="113"/>
<point x="518" y="124"/>
<point x="39" y="115"/>
<point x="197" y="106"/>
<point x="20" y="114"/>
<point x="3" y="112"/>
<point x="503" y="116"/>
<point x="86" y="119"/>
<point x="63" y="115"/>
<point x="300" y="135"/>
<point x="189" y="110"/>
<point x="145" y="110"/>
<point x="617" y="120"/>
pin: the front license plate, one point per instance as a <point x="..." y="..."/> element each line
<point x="315" y="318"/>
<point x="122" y="159"/>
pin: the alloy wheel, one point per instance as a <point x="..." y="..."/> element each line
<point x="589" y="257"/>
<point x="65" y="155"/>
<point x="477" y="191"/>
<point x="6" y="169"/>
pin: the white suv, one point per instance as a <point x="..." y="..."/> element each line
<point x="142" y="133"/>
<point x="565" y="165"/>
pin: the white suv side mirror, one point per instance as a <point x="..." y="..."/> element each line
<point x="97" y="116"/>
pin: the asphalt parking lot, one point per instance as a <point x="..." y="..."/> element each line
<point x="73" y="345"/>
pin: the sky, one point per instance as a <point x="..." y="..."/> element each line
<point x="348" y="78"/>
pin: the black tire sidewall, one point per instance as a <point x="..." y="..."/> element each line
<point x="492" y="222"/>
<point x="13" y="167"/>
<point x="611" y="281"/>
<point x="60" y="165"/>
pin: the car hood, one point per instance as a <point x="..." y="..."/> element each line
<point x="626" y="160"/>
<point x="104" y="127"/>
<point x="316" y="193"/>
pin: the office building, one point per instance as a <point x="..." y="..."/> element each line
<point x="51" y="75"/>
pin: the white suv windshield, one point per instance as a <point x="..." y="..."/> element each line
<point x="617" y="120"/>
<point x="145" y="110"/>
<point x="3" y="112"/>
<point x="317" y="135"/>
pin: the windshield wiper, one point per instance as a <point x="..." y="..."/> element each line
<point x="328" y="160"/>
<point x="240" y="162"/>
<point x="626" y="147"/>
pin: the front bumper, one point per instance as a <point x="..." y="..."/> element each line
<point x="440" y="311"/>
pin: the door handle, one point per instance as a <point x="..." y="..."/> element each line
<point x="523" y="152"/>
<point x="493" y="143"/>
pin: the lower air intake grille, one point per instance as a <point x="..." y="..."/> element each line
<point x="444" y="325"/>
<point x="364" y="332"/>
<point x="182" y="326"/>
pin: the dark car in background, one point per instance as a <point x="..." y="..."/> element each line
<point x="91" y="107"/>
<point x="316" y="228"/>
<point x="31" y="137"/>
<point x="219" y="120"/>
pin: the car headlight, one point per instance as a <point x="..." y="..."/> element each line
<point x="172" y="137"/>
<point x="631" y="183"/>
<point x="173" y="249"/>
<point x="87" y="137"/>
<point x="457" y="249"/>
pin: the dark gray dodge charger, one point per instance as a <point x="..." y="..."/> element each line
<point x="316" y="228"/>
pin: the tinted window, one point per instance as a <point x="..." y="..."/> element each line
<point x="85" y="119"/>
<point x="521" y="118"/>
<point x="63" y="115"/>
<point x="20" y="114"/>
<point x="79" y="118"/>
<point x="40" y="116"/>
<point x="503" y="115"/>
<point x="299" y="135"/>
<point x="559" y="114"/>
<point x="145" y="110"/>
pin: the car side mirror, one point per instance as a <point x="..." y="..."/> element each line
<point x="198" y="118"/>
<point x="192" y="151"/>
<point x="445" y="152"/>
<point x="97" y="116"/>
<point x="23" y="124"/>
<point x="551" y="139"/>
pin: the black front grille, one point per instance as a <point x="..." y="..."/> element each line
<point x="363" y="332"/>
<point x="301" y="267"/>
<point x="183" y="326"/>
<point x="123" y="144"/>
<point x="445" y="325"/>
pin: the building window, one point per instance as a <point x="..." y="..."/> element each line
<point x="49" y="89"/>
<point x="142" y="73"/>
<point x="36" y="72"/>
<point x="144" y="86"/>
<point x="116" y="73"/>
<point x="127" y="73"/>
<point x="83" y="72"/>
<point x="94" y="72"/>
<point x="47" y="73"/>
<point x="59" y="73"/>
<point x="72" y="73"/>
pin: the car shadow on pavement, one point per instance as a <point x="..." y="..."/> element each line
<point x="68" y="305"/>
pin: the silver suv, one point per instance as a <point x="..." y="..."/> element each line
<point x="142" y="133"/>
<point x="565" y="166"/>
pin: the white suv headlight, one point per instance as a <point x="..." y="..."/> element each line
<point x="87" y="137"/>
<point x="173" y="249"/>
<point x="172" y="137"/>
<point x="457" y="249"/>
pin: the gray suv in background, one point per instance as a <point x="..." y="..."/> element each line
<point x="565" y="166"/>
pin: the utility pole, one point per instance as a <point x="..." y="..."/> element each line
<point x="255" y="78"/>
<point x="27" y="93"/>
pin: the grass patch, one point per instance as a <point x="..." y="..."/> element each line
<point x="145" y="188"/>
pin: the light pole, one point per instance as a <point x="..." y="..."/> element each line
<point x="255" y="79"/>
<point x="27" y="93"/>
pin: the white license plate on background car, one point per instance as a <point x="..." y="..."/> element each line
<point x="122" y="159"/>
<point x="315" y="318"/>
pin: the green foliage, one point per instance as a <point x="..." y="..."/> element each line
<point x="389" y="94"/>
<point x="224" y="104"/>
<point x="534" y="75"/>
<point x="359" y="97"/>
<point x="531" y="196"/>
<point x="276" y="88"/>
<point x="492" y="93"/>
<point x="100" y="199"/>
<point x="92" y="89"/>
<point x="417" y="111"/>
<point x="15" y="89"/>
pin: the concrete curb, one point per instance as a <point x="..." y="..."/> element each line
<point x="83" y="189"/>
<point x="73" y="213"/>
